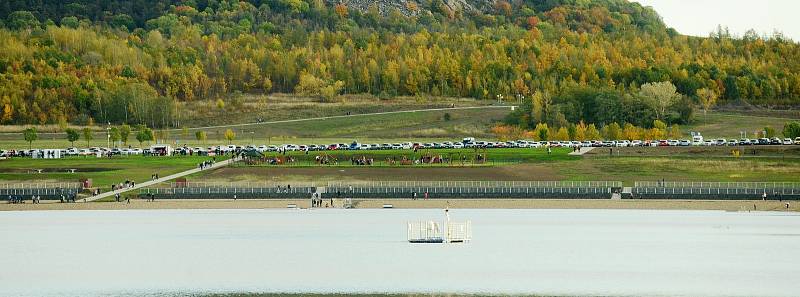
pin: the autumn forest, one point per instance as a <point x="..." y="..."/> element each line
<point x="567" y="61"/>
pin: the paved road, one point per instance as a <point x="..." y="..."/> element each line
<point x="348" y="116"/>
<point x="582" y="151"/>
<point x="160" y="180"/>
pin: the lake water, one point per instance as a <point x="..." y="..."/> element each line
<point x="551" y="252"/>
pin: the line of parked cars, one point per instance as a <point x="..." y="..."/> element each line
<point x="465" y="143"/>
<point x="472" y="143"/>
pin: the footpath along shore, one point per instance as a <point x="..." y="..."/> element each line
<point x="726" y="205"/>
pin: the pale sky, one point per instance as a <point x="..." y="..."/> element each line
<point x="700" y="17"/>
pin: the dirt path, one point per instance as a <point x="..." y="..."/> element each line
<point x="345" y="116"/>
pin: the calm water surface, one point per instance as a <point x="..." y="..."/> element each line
<point x="548" y="252"/>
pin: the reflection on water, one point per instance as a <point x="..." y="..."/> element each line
<point x="546" y="252"/>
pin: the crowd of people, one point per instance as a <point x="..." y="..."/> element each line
<point x="207" y="164"/>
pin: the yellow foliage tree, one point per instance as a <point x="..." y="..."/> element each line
<point x="230" y="135"/>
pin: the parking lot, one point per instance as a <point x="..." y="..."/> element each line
<point x="167" y="150"/>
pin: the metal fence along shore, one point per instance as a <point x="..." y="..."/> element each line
<point x="45" y="190"/>
<point x="438" y="190"/>
<point x="480" y="189"/>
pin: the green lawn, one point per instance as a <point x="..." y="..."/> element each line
<point x="102" y="171"/>
<point x="381" y="157"/>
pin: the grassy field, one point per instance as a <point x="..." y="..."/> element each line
<point x="102" y="171"/>
<point x="503" y="165"/>
<point x="729" y="124"/>
<point x="535" y="164"/>
<point x="458" y="156"/>
<point x="417" y="126"/>
<point x="276" y="107"/>
<point x="426" y="126"/>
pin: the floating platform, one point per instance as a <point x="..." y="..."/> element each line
<point x="425" y="232"/>
<point x="459" y="232"/>
<point x="430" y="232"/>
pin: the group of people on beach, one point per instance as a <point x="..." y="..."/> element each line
<point x="37" y="199"/>
<point x="414" y="195"/>
<point x="316" y="201"/>
<point x="18" y="199"/>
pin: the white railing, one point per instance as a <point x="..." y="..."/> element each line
<point x="718" y="185"/>
<point x="62" y="185"/>
<point x="476" y="184"/>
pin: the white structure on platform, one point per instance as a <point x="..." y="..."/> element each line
<point x="424" y="232"/>
<point x="457" y="231"/>
<point x="429" y="232"/>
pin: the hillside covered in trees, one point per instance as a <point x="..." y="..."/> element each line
<point x="84" y="61"/>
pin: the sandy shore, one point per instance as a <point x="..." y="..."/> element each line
<point x="402" y="203"/>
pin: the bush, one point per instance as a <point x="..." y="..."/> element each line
<point x="791" y="129"/>
<point x="447" y="117"/>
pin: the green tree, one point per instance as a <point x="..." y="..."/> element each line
<point x="659" y="130"/>
<point x="30" y="136"/>
<point x="201" y="136"/>
<point x="660" y="96"/>
<point x="791" y="129"/>
<point x="144" y="134"/>
<point x="70" y="21"/>
<point x="124" y="133"/>
<point x="675" y="132"/>
<point x="87" y="135"/>
<point x="613" y="131"/>
<point x="22" y="19"/>
<point x="72" y="136"/>
<point x="114" y="135"/>
<point x="769" y="132"/>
